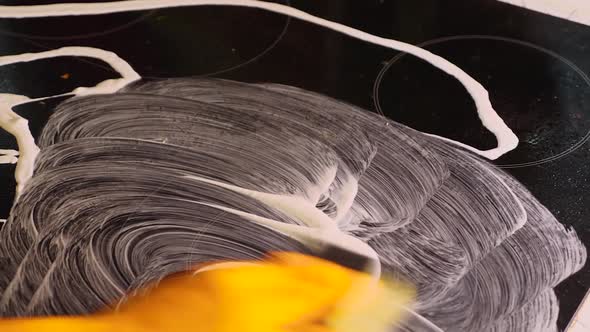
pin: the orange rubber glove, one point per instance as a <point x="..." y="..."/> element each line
<point x="287" y="293"/>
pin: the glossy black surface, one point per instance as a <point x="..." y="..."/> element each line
<point x="534" y="66"/>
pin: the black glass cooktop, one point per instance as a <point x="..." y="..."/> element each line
<point x="535" y="67"/>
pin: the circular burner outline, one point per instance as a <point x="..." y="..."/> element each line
<point x="553" y="54"/>
<point x="247" y="62"/>
<point x="267" y="49"/>
<point x="81" y="36"/>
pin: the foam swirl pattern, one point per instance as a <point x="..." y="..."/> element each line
<point x="165" y="174"/>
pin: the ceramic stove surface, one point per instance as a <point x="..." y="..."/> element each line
<point x="534" y="66"/>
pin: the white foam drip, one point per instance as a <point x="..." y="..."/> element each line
<point x="8" y="156"/>
<point x="18" y="126"/>
<point x="318" y="226"/>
